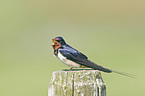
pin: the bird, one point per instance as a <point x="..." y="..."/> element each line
<point x="76" y="59"/>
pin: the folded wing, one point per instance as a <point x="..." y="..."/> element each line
<point x="83" y="61"/>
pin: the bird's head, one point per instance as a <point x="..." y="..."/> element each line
<point x="58" y="42"/>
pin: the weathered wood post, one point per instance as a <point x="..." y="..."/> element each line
<point x="77" y="83"/>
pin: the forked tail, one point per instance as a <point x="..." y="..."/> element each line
<point x="125" y="74"/>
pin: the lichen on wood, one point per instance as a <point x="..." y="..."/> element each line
<point x="77" y="83"/>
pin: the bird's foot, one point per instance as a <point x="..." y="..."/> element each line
<point x="71" y="69"/>
<point x="65" y="70"/>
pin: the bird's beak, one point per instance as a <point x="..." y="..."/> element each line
<point x="53" y="42"/>
<point x="53" y="46"/>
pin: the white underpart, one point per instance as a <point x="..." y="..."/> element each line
<point x="66" y="61"/>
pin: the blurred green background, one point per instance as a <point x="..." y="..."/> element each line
<point x="110" y="32"/>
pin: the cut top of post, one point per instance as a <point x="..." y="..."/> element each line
<point x="77" y="83"/>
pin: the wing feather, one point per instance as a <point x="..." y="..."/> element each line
<point x="83" y="61"/>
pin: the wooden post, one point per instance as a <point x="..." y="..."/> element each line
<point x="77" y="83"/>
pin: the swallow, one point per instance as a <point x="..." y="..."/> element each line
<point x="75" y="59"/>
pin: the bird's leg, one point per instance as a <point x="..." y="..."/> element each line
<point x="70" y="69"/>
<point x="65" y="70"/>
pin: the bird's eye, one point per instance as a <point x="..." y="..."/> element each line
<point x="58" y="41"/>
